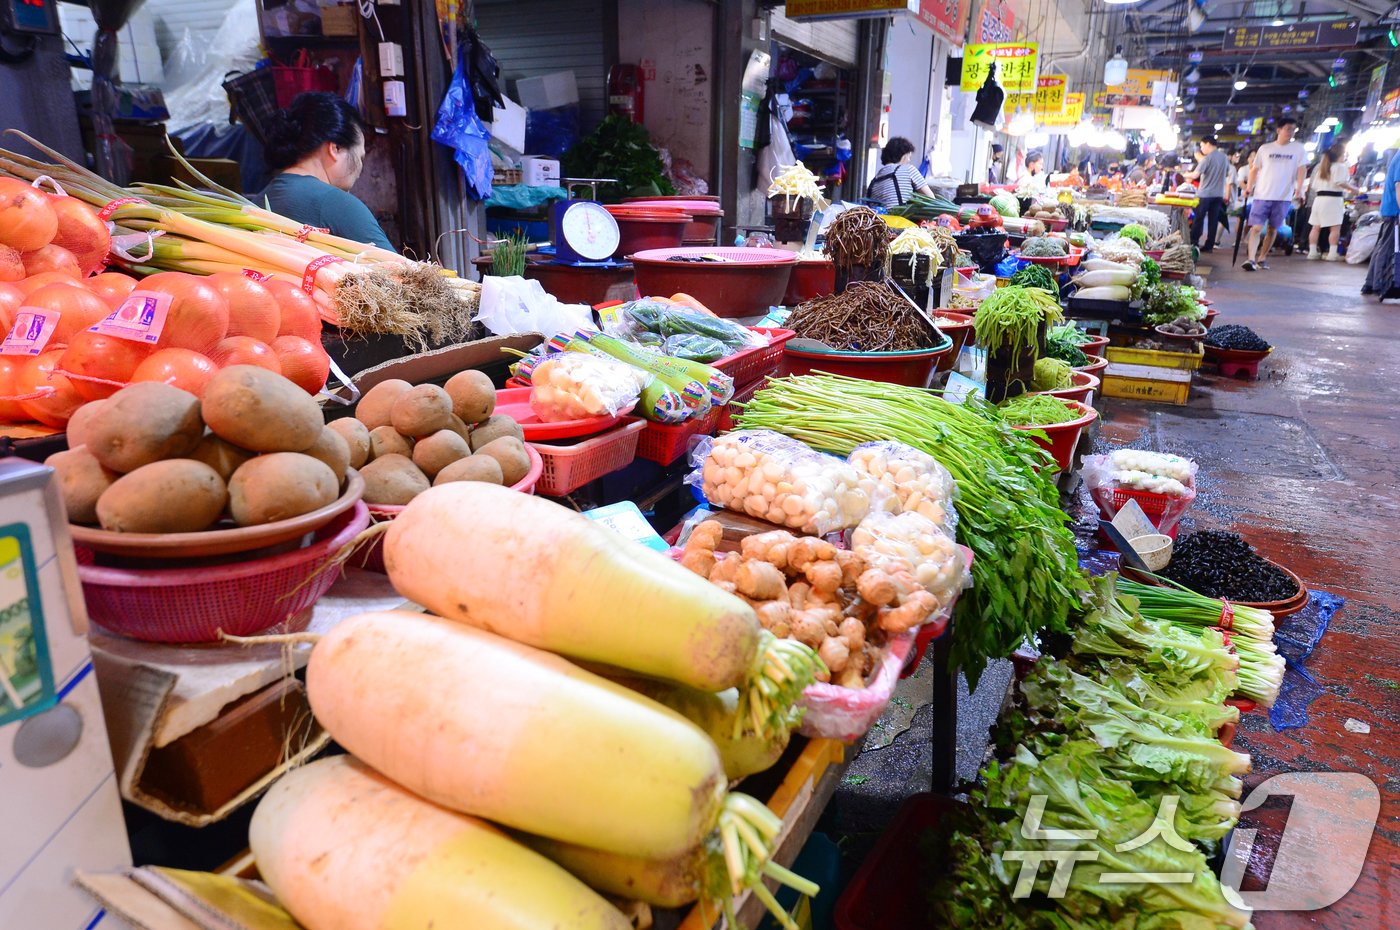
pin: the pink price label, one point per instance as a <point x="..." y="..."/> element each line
<point x="140" y="317"/>
<point x="32" y="331"/>
<point x="106" y="212"/>
<point x="308" y="278"/>
<point x="256" y="275"/>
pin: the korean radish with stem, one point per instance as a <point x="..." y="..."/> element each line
<point x="541" y="574"/>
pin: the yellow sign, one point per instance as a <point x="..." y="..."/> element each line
<point x="1015" y="64"/>
<point x="1050" y="93"/>
<point x="1073" y="113"/>
<point x="799" y="8"/>
<point x="1139" y="83"/>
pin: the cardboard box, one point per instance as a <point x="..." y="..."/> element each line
<point x="340" y="20"/>
<point x="1143" y="382"/>
<point x="538" y="171"/>
<point x="548" y="91"/>
<point x="508" y="128"/>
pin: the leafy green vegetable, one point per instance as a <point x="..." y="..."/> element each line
<point x="1164" y="302"/>
<point x="1064" y="342"/>
<point x="1036" y="410"/>
<point x="1010" y="318"/>
<point x="1037" y="276"/>
<point x="1136" y="232"/>
<point x="1052" y="374"/>
<point x="618" y="148"/>
<point x="1005" y="204"/>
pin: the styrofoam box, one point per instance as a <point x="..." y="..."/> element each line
<point x="537" y="171"/>
<point x="547" y="91"/>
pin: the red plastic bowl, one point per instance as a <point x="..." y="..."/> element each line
<point x="1096" y="366"/>
<point x="745" y="286"/>
<point x="913" y="369"/>
<point x="1094" y="344"/>
<point x="1061" y="439"/>
<point x="1209" y="319"/>
<point x="957" y="327"/>
<point x="704" y="212"/>
<point x="640" y="231"/>
<point x="815" y="277"/>
<point x="583" y="284"/>
<point x="1084" y="385"/>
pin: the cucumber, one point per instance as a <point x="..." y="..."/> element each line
<point x="676" y="372"/>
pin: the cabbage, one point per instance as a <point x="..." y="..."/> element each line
<point x="1005" y="204"/>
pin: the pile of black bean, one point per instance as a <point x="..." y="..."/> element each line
<point x="1234" y="336"/>
<point x="1219" y="564"/>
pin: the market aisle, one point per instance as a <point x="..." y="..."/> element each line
<point x="1306" y="464"/>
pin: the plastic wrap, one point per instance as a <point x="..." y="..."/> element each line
<point x="968" y="293"/>
<point x="913" y="543"/>
<point x="769" y="476"/>
<point x="1163" y="498"/>
<point x="913" y="481"/>
<point x="573" y="386"/>
<point x="666" y="320"/>
<point x="694" y="347"/>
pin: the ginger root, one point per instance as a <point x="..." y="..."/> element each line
<point x="774" y="614"/>
<point x="799" y="595"/>
<point x="824" y="576"/>
<point x="699" y="553"/>
<point x="877" y="587"/>
<point x="802" y="552"/>
<point x="726" y="569"/>
<point x="915" y="609"/>
<point x="761" y="581"/>
<point x="772" y="547"/>
<point x="851" y="677"/>
<point x="701" y="561"/>
<point x="852" y="631"/>
<point x="834" y="652"/>
<point x="852" y="566"/>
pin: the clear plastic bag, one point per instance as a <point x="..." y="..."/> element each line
<point x="573" y="386"/>
<point x="1140" y="470"/>
<point x="968" y="293"/>
<point x="667" y="320"/>
<point x="772" y="477"/>
<point x="912" y="543"/>
<point x="910" y="481"/>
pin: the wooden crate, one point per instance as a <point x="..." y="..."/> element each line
<point x="1144" y="382"/>
<point x="1187" y="361"/>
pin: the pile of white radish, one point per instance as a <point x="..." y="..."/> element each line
<point x="1110" y="277"/>
<point x="774" y="478"/>
<point x="573" y="386"/>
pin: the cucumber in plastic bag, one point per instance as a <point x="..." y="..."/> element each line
<point x="696" y="348"/>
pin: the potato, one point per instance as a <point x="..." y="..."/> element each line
<point x="170" y="496"/>
<point x="332" y="449"/>
<point x="461" y="429"/>
<point x="421" y="411"/>
<point x="393" y="479"/>
<point x="473" y="395"/>
<point x="472" y="468"/>
<point x="356" y="436"/>
<point x="385" y="440"/>
<point x="280" y="486"/>
<point x="261" y="411"/>
<point x="510" y="454"/>
<point x="494" y="427"/>
<point x="144" y="423"/>
<point x="222" y="456"/>
<point x="82" y="479"/>
<point x="374" y="407"/>
<point x="434" y="453"/>
<point x="81" y="425"/>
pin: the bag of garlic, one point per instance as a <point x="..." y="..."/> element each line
<point x="574" y="386"/>
<point x="1139" y="470"/>
<point x="771" y="477"/>
<point x="911" y="545"/>
<point x="913" y="481"/>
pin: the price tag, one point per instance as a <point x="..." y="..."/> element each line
<point x="139" y="318"/>
<point x="960" y="387"/>
<point x="31" y="331"/>
<point x="626" y="519"/>
<point x="1132" y="522"/>
<point x="256" y="275"/>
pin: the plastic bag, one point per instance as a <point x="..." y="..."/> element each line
<point x="694" y="347"/>
<point x="900" y="478"/>
<point x="769" y="476"/>
<point x="519" y="305"/>
<point x="460" y="129"/>
<point x="668" y="320"/>
<point x="913" y="543"/>
<point x="573" y="386"/>
<point x="968" y="293"/>
<point x="1140" y="470"/>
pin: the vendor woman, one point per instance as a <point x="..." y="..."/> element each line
<point x="317" y="148"/>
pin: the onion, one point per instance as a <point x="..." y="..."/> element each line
<point x="304" y="363"/>
<point x="81" y="232"/>
<point x="99" y="364"/>
<point x="27" y="222"/>
<point x="299" y="314"/>
<point x="58" y="398"/>
<point x="11" y="299"/>
<point x="111" y="287"/>
<point x="32" y="284"/>
<point x="252" y="310"/>
<point x="186" y="369"/>
<point x="51" y="258"/>
<point x="11" y="265"/>
<point x="245" y="350"/>
<point x="10" y="410"/>
<point x="78" y="308"/>
<point x="198" y="317"/>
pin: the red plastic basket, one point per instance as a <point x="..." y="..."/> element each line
<point x="191" y="605"/>
<point x="732" y="409"/>
<point x="1164" y="510"/>
<point x="663" y="443"/>
<point x="748" y="365"/>
<point x="567" y="468"/>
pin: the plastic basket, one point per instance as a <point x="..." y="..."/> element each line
<point x="567" y="468"/>
<point x="191" y="605"/>
<point x="729" y="411"/>
<point x="290" y="80"/>
<point x="663" y="443"/>
<point x="1164" y="510"/>
<point x="749" y="365"/>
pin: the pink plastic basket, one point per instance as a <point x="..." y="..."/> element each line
<point x="567" y="468"/>
<point x="191" y="605"/>
<point x="751" y="364"/>
<point x="1164" y="510"/>
<point x="732" y="409"/>
<point x="663" y="443"/>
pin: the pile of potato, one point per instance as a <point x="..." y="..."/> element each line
<point x="155" y="459"/>
<point x="405" y="438"/>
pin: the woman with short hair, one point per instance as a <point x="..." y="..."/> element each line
<point x="897" y="180"/>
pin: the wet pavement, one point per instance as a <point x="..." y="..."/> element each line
<point x="1305" y="463"/>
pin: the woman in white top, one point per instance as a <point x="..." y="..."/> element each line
<point x="897" y="180"/>
<point x="1329" y="183"/>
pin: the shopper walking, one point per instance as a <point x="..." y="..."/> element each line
<point x="1380" y="275"/>
<point x="1329" y="181"/>
<point x="897" y="180"/>
<point x="1212" y="177"/>
<point x="1275" y="184"/>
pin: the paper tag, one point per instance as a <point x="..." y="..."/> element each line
<point x="106" y="212"/>
<point x="256" y="275"/>
<point x="140" y="317"/>
<point x="959" y="388"/>
<point x="31" y="331"/>
<point x="1227" y="615"/>
<point x="610" y="317"/>
<point x="308" y="279"/>
<point x="625" y="519"/>
<point x="1133" y="523"/>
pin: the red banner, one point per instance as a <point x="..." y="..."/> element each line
<point x="948" y="18"/>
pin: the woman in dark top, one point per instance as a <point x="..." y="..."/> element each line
<point x="897" y="180"/>
<point x="317" y="146"/>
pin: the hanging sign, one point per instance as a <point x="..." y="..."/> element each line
<point x="1050" y="93"/>
<point x="1139" y="82"/>
<point x="1330" y="34"/>
<point x="997" y="22"/>
<point x="1390" y="104"/>
<point x="1105" y="100"/>
<point x="1072" y="115"/>
<point x="1373" y="93"/>
<point x="947" y="18"/>
<point x="1015" y="64"/>
<point x="844" y="9"/>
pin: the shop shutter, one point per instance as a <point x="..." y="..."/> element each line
<point x="201" y="17"/>
<point x="535" y="37"/>
<point x="836" y="41"/>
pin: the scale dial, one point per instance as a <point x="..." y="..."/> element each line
<point x="589" y="231"/>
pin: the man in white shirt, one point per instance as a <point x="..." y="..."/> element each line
<point x="1275" y="184"/>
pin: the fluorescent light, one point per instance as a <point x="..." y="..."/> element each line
<point x="1219" y="126"/>
<point x="1276" y="22"/>
<point x="1115" y="70"/>
<point x="1241" y="84"/>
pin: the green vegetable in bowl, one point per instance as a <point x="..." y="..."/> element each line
<point x="1037" y="276"/>
<point x="1136" y="232"/>
<point x="1163" y="303"/>
<point x="1010" y="318"/>
<point x="1006" y="204"/>
<point x="1037" y="410"/>
<point x="1065" y="343"/>
<point x="1044" y="247"/>
<point x="1052" y="374"/>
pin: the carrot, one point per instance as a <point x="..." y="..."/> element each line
<point x="496" y="729"/>
<point x="685" y="300"/>
<point x="546" y="576"/>
<point x="346" y="849"/>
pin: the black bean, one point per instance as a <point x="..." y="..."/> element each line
<point x="1224" y="565"/>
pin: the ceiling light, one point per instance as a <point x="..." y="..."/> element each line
<point x="1276" y="22"/>
<point x="1193" y="75"/>
<point x="1219" y="126"/>
<point x="1119" y="2"/>
<point x="1115" y="70"/>
<point x="1241" y="84"/>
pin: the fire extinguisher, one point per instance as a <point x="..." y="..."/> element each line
<point x="626" y="92"/>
